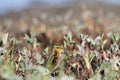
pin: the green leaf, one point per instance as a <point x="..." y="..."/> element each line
<point x="91" y="56"/>
<point x="96" y="77"/>
<point x="114" y="36"/>
<point x="29" y="39"/>
<point x="5" y="38"/>
<point x="68" y="39"/>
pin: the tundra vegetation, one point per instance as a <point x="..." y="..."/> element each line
<point x="37" y="47"/>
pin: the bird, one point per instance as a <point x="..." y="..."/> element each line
<point x="56" y="58"/>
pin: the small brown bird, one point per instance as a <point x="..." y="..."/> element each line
<point x="55" y="59"/>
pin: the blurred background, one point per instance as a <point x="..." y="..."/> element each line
<point x="6" y="5"/>
<point x="22" y="15"/>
